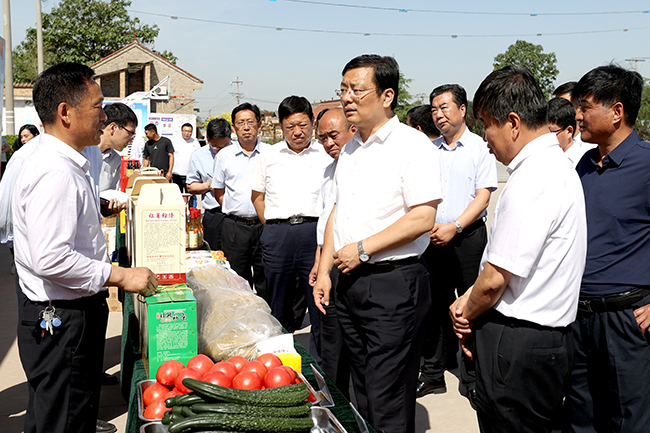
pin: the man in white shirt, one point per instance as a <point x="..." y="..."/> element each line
<point x="199" y="179"/>
<point x="333" y="131"/>
<point x="61" y="258"/>
<point x="469" y="175"/>
<point x="285" y="185"/>
<point x="576" y="148"/>
<point x="526" y="294"/>
<point x="240" y="236"/>
<point x="386" y="189"/>
<point x="120" y="128"/>
<point x="183" y="150"/>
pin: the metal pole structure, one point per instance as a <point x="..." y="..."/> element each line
<point x="9" y="71"/>
<point x="39" y="37"/>
<point x="237" y="94"/>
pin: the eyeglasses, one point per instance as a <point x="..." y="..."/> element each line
<point x="131" y="133"/>
<point x="249" y="122"/>
<point x="356" y="93"/>
<point x="558" y="130"/>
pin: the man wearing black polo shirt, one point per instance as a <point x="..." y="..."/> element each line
<point x="611" y="373"/>
<point x="158" y="152"/>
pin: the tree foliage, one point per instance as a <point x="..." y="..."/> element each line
<point x="642" y="124"/>
<point x="404" y="99"/>
<point x="83" y="31"/>
<point x="531" y="56"/>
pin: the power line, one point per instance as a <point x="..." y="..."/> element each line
<point x="412" y="35"/>
<point x="405" y="10"/>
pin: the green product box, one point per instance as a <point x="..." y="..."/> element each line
<point x="168" y="327"/>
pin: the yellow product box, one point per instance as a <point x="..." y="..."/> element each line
<point x="282" y="347"/>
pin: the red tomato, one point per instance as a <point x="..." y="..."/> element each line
<point x="226" y="367"/>
<point x="218" y="378"/>
<point x="277" y="377"/>
<point x="255" y="366"/>
<point x="238" y="362"/>
<point x="173" y="393"/>
<point x="291" y="372"/>
<point x="156" y="409"/>
<point x="153" y="392"/>
<point x="270" y="360"/>
<point x="186" y="372"/>
<point x="247" y="380"/>
<point x="200" y="363"/>
<point x="167" y="372"/>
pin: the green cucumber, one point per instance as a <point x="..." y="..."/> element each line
<point x="242" y="423"/>
<point x="234" y="408"/>
<point x="254" y="397"/>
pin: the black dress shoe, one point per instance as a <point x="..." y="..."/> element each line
<point x="437" y="387"/>
<point x="108" y="379"/>
<point x="471" y="396"/>
<point x="105" y="427"/>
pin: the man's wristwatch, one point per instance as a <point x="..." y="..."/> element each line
<point x="363" y="256"/>
<point x="459" y="228"/>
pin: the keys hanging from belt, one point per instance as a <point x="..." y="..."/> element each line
<point x="49" y="320"/>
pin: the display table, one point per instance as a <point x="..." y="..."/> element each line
<point x="132" y="371"/>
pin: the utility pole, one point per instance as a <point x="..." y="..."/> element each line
<point x="9" y="71"/>
<point x="237" y="95"/>
<point x="39" y="37"/>
<point x="636" y="61"/>
<point x="421" y="97"/>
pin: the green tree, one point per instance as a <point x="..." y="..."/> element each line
<point x="531" y="56"/>
<point x="404" y="99"/>
<point x="642" y="124"/>
<point x="83" y="31"/>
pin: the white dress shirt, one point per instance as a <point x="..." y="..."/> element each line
<point x="183" y="150"/>
<point x="578" y="149"/>
<point x="109" y="175"/>
<point x="325" y="202"/>
<point x="9" y="177"/>
<point x="380" y="180"/>
<point x="539" y="234"/>
<point x="94" y="157"/>
<point x="464" y="169"/>
<point x="60" y="250"/>
<point x="290" y="181"/>
<point x="232" y="172"/>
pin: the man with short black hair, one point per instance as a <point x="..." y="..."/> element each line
<point x="578" y="147"/>
<point x="183" y="150"/>
<point x="522" y="304"/>
<point x="562" y="123"/>
<point x="565" y="90"/>
<point x="199" y="179"/>
<point x="612" y="367"/>
<point x="420" y="118"/>
<point x="61" y="259"/>
<point x="119" y="131"/>
<point x="469" y="175"/>
<point x="385" y="189"/>
<point x="285" y="185"/>
<point x="158" y="152"/>
<point x="231" y="185"/>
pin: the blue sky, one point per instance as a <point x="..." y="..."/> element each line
<point x="276" y="63"/>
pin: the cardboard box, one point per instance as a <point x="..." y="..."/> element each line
<point x="168" y="327"/>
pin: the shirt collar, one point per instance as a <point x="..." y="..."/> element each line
<point x="442" y="143"/>
<point x="541" y="142"/>
<point x="285" y="147"/>
<point x="615" y="157"/>
<point x="67" y="151"/>
<point x="240" y="150"/>
<point x="380" y="136"/>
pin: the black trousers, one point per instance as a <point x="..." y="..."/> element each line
<point x="213" y="227"/>
<point x="287" y="254"/>
<point x="63" y="371"/>
<point x="180" y="181"/>
<point x="522" y="373"/>
<point x="611" y="373"/>
<point x="453" y="268"/>
<point x="334" y="353"/>
<point x="240" y="242"/>
<point x="382" y="317"/>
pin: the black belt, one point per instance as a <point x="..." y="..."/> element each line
<point x="615" y="302"/>
<point x="77" y="303"/>
<point x="495" y="316"/>
<point x="293" y="220"/>
<point x="214" y="210"/>
<point x="250" y="221"/>
<point x="383" y="267"/>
